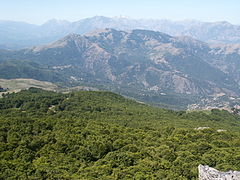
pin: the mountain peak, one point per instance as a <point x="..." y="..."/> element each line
<point x="97" y="19"/>
<point x="149" y="32"/>
<point x="105" y="31"/>
<point x="60" y="43"/>
<point x="152" y="35"/>
<point x="55" y="22"/>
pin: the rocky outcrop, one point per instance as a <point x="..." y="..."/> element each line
<point x="208" y="173"/>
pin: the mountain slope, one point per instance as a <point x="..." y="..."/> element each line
<point x="138" y="63"/>
<point x="15" y="85"/>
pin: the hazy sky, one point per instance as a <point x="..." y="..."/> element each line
<point x="39" y="11"/>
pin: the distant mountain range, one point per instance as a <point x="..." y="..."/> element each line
<point x="15" y="35"/>
<point x="150" y="65"/>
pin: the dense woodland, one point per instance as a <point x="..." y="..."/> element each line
<point x="101" y="135"/>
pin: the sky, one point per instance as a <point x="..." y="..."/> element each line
<point x="39" y="11"/>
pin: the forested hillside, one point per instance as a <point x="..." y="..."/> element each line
<point x="101" y="135"/>
<point x="27" y="69"/>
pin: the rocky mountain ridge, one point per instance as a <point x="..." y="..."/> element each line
<point x="20" y="34"/>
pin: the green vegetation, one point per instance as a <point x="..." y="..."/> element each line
<point x="101" y="135"/>
<point x="27" y="69"/>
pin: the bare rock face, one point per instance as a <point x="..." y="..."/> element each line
<point x="208" y="173"/>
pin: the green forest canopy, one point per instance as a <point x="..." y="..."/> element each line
<point x="102" y="135"/>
